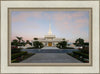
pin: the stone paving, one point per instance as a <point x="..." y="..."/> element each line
<point x="51" y="58"/>
<point x="50" y="48"/>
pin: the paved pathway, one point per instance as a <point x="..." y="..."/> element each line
<point x="51" y="58"/>
<point x="50" y="48"/>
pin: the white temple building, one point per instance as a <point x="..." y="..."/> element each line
<point x="50" y="39"/>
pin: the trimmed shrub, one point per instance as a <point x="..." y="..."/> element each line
<point x="86" y="51"/>
<point x="30" y="48"/>
<point x="15" y="50"/>
<point x="81" y="54"/>
<point x="68" y="48"/>
<point x="16" y="55"/>
<point x="14" y="60"/>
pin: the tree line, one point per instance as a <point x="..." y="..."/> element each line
<point x="63" y="44"/>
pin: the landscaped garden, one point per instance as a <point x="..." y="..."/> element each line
<point x="37" y="45"/>
<point x="83" y="51"/>
<point x="17" y="55"/>
<point x="82" y="55"/>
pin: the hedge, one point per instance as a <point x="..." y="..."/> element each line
<point x="16" y="50"/>
<point x="81" y="54"/>
<point x="86" y="51"/>
<point x="14" y="60"/>
<point x="13" y="56"/>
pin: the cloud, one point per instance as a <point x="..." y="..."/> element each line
<point x="62" y="15"/>
<point x="71" y="23"/>
<point x="22" y="17"/>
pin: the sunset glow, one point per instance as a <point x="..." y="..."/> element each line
<point x="64" y="24"/>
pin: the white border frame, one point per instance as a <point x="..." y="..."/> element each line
<point x="49" y="69"/>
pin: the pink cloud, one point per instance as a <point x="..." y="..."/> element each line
<point x="22" y="17"/>
<point x="78" y="14"/>
<point x="62" y="21"/>
<point x="31" y="25"/>
<point x="82" y="21"/>
<point x="61" y="16"/>
<point x="66" y="27"/>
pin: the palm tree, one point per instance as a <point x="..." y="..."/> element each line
<point x="23" y="43"/>
<point x="19" y="38"/>
<point x="28" y="42"/>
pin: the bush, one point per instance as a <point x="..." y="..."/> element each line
<point x="61" y="44"/>
<point x="14" y="60"/>
<point x="30" y="48"/>
<point x="68" y="48"/>
<point x="15" y="50"/>
<point x="23" y="57"/>
<point x="16" y="55"/>
<point x="81" y="54"/>
<point x="86" y="51"/>
<point x="38" y="44"/>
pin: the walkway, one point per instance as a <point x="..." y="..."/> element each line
<point x="50" y="48"/>
<point x="51" y="58"/>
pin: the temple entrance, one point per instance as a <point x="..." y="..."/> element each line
<point x="49" y="43"/>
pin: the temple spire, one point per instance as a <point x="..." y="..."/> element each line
<point x="49" y="33"/>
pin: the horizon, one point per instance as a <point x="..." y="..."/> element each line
<point x="70" y="25"/>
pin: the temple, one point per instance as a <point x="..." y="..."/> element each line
<point x="50" y="39"/>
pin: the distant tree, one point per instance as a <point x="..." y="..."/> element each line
<point x="62" y="44"/>
<point x="79" y="42"/>
<point x="14" y="42"/>
<point x="38" y="44"/>
<point x="30" y="43"/>
<point x="86" y="44"/>
<point x="35" y="38"/>
<point x="23" y="43"/>
<point x="41" y="45"/>
<point x="27" y="41"/>
<point x="68" y="44"/>
<point x="63" y="39"/>
<point x="19" y="39"/>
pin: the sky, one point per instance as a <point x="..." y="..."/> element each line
<point x="64" y="24"/>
